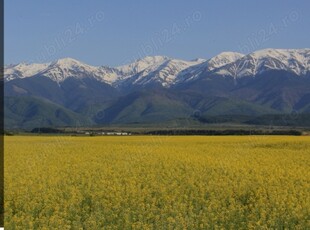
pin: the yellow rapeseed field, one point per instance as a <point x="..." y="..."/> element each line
<point x="157" y="182"/>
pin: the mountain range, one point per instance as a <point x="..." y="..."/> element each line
<point x="158" y="89"/>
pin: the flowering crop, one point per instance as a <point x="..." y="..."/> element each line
<point x="157" y="182"/>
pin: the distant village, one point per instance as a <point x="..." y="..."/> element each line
<point x="104" y="133"/>
<point x="47" y="130"/>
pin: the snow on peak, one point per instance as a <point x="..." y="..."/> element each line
<point x="199" y="60"/>
<point x="23" y="70"/>
<point x="61" y="69"/>
<point x="64" y="68"/>
<point x="165" y="73"/>
<point x="141" y="64"/>
<point x="222" y="59"/>
<point x="292" y="60"/>
<point x="213" y="63"/>
<point x="285" y="55"/>
<point x="153" y="59"/>
<point x="67" y="62"/>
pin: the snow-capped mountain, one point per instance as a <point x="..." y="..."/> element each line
<point x="23" y="70"/>
<point x="61" y="69"/>
<point x="207" y="66"/>
<point x="158" y="89"/>
<point x="159" y="69"/>
<point x="166" y="71"/>
<point x="223" y="59"/>
<point x="141" y="64"/>
<point x="296" y="61"/>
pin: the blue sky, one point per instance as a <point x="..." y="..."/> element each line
<point x="115" y="32"/>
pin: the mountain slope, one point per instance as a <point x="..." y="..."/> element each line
<point x="151" y="106"/>
<point x="73" y="93"/>
<point x="30" y="112"/>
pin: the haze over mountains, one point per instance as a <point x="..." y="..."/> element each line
<point x="158" y="89"/>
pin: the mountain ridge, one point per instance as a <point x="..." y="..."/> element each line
<point x="159" y="88"/>
<point x="226" y="63"/>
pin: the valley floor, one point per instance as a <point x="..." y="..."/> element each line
<point x="157" y="182"/>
